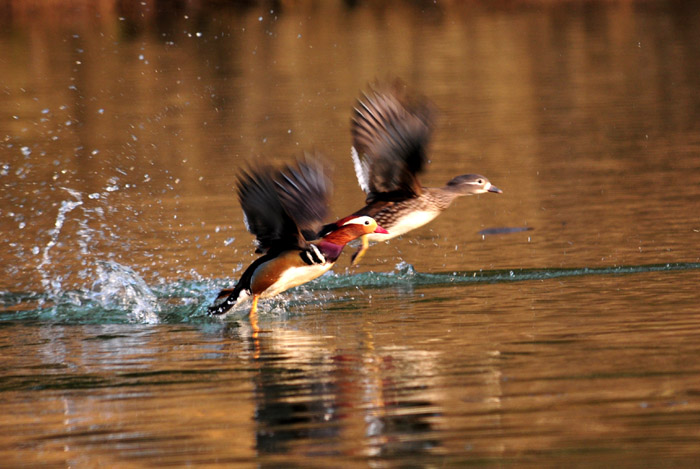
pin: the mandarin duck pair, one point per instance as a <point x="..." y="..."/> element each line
<point x="284" y="209"/>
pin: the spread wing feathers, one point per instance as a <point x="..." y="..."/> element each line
<point x="284" y="208"/>
<point x="390" y="133"/>
<point x="264" y="214"/>
<point x="304" y="192"/>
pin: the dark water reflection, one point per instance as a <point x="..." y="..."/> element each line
<point x="473" y="341"/>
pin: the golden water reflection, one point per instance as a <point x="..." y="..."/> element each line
<point x="397" y="379"/>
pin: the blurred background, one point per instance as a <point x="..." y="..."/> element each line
<point x="143" y="112"/>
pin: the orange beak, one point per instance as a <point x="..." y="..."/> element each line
<point x="380" y="230"/>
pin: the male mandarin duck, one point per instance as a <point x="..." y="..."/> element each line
<point x="390" y="132"/>
<point x="283" y="209"/>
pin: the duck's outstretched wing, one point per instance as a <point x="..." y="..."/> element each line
<point x="264" y="214"/>
<point x="304" y="192"/>
<point x="285" y="208"/>
<point x="390" y="132"/>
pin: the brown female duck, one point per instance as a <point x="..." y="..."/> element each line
<point x="390" y="133"/>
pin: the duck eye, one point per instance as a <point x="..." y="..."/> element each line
<point x="366" y="222"/>
<point x="479" y="181"/>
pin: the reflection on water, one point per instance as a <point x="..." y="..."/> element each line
<point x="293" y="392"/>
<point x="317" y="401"/>
<point x="554" y="325"/>
<point x="557" y="379"/>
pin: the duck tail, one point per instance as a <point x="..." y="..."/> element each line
<point x="230" y="297"/>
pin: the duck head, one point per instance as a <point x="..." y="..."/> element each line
<point x="468" y="184"/>
<point x="350" y="228"/>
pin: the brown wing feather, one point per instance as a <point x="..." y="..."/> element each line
<point x="284" y="208"/>
<point x="305" y="191"/>
<point x="265" y="216"/>
<point x="390" y="133"/>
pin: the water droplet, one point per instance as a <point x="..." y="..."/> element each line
<point x="26" y="151"/>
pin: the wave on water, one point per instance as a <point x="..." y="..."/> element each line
<point x="120" y="295"/>
<point x="406" y="274"/>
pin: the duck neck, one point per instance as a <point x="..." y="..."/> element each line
<point x="330" y="249"/>
<point x="442" y="197"/>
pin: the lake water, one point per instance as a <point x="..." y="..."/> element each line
<point x="123" y="127"/>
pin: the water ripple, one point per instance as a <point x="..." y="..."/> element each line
<point x="119" y="295"/>
<point x="405" y="273"/>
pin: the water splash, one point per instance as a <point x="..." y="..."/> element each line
<point x="52" y="283"/>
<point x="120" y="295"/>
<point x="100" y="284"/>
<point x="118" y="286"/>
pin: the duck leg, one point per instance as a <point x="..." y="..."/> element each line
<point x="253" y="315"/>
<point x="360" y="252"/>
<point x="254" y="310"/>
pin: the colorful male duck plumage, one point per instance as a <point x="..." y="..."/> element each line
<point x="390" y="132"/>
<point x="284" y="209"/>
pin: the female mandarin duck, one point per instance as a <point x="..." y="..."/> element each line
<point x="390" y="133"/>
<point x="283" y="209"/>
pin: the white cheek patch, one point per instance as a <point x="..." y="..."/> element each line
<point x="363" y="220"/>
